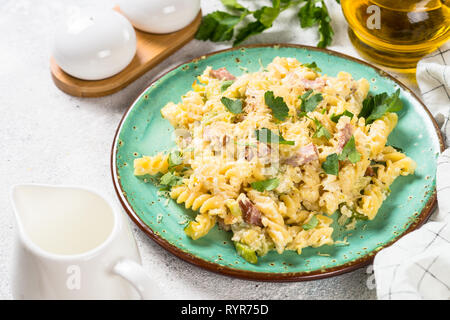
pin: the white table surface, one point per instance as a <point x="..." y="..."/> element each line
<point x="50" y="137"/>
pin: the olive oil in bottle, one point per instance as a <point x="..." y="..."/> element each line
<point x="397" y="33"/>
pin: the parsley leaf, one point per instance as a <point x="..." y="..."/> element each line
<point x="267" y="136"/>
<point x="313" y="66"/>
<point x="307" y="15"/>
<point x="312" y="223"/>
<point x="335" y="117"/>
<point x="268" y="185"/>
<point x="374" y="107"/>
<point x="234" y="106"/>
<point x="218" y="26"/>
<point x="392" y="103"/>
<point x="331" y="164"/>
<point x="169" y="179"/>
<point x="325" y="30"/>
<point x="279" y="108"/>
<point x="264" y="16"/>
<point x="225" y="85"/>
<point x="267" y="15"/>
<point x="370" y="102"/>
<point x="310" y="15"/>
<point x="349" y="152"/>
<point x="249" y="30"/>
<point x="310" y="102"/>
<point x="321" y="131"/>
<point x="232" y="5"/>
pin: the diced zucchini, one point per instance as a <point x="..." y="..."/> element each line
<point x="233" y="205"/>
<point x="245" y="252"/>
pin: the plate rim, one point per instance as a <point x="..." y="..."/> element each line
<point x="267" y="276"/>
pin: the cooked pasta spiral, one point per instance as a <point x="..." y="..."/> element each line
<point x="151" y="165"/>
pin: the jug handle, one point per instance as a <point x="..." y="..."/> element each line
<point x="139" y="278"/>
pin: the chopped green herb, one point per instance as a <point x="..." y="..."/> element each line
<point x="169" y="179"/>
<point x="349" y="152"/>
<point x="302" y="114"/>
<point x="321" y="131"/>
<point x="225" y="85"/>
<point x="246" y="252"/>
<point x="397" y="148"/>
<point x="359" y="216"/>
<point x="234" y="106"/>
<point x="310" y="101"/>
<point x="331" y="164"/>
<point x="164" y="188"/>
<point x="312" y="223"/>
<point x="312" y="66"/>
<point x="279" y="108"/>
<point x="267" y="136"/>
<point x="374" y="107"/>
<point x="335" y="117"/>
<point x="268" y="185"/>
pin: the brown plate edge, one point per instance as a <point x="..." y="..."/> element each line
<point x="265" y="276"/>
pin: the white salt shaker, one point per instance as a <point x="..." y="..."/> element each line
<point x="94" y="45"/>
<point x="160" y="16"/>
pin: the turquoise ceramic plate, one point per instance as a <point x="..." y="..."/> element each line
<point x="144" y="132"/>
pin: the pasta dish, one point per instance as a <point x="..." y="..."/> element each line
<point x="271" y="155"/>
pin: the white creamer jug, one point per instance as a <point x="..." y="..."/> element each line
<point x="72" y="244"/>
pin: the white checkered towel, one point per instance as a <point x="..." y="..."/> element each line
<point x="418" y="265"/>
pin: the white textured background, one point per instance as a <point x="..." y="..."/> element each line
<point x="50" y="137"/>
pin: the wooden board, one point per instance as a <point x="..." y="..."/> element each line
<point x="151" y="49"/>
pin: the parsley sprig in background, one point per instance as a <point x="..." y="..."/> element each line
<point x="222" y="26"/>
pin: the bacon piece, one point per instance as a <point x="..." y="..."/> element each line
<point x="304" y="155"/>
<point x="369" y="172"/>
<point x="250" y="213"/>
<point x="222" y="74"/>
<point x="345" y="134"/>
<point x="296" y="79"/>
<point x="313" y="84"/>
